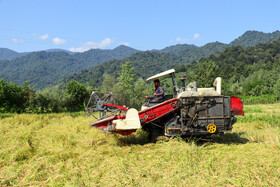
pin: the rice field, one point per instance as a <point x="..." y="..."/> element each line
<point x="61" y="149"/>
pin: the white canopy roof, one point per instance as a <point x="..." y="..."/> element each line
<point x="161" y="74"/>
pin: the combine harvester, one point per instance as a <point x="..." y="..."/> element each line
<point x="190" y="111"/>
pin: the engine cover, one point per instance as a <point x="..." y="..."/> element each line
<point x="201" y="115"/>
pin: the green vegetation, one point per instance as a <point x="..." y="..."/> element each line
<point x="47" y="68"/>
<point x="250" y="71"/>
<point x="177" y="48"/>
<point x="61" y="149"/>
<point x="14" y="98"/>
<point x="7" y="54"/>
<point x="18" y="99"/>
<point x="145" y="63"/>
<point x="261" y="86"/>
<point x="263" y="99"/>
<point x="128" y="90"/>
<point x="44" y="69"/>
<point x="253" y="38"/>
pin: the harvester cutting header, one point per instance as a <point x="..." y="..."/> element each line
<point x="190" y="111"/>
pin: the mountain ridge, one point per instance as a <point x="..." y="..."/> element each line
<point x="155" y="63"/>
<point x="44" y="69"/>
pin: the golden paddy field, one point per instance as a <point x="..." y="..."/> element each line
<point x="61" y="149"/>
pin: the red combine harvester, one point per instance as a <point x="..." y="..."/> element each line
<point x="190" y="111"/>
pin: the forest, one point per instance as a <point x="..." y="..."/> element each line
<point x="44" y="69"/>
<point x="148" y="63"/>
<point x="128" y="90"/>
<point x="251" y="73"/>
<point x="50" y="67"/>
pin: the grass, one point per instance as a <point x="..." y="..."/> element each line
<point x="262" y="99"/>
<point x="61" y="149"/>
<point x="5" y="115"/>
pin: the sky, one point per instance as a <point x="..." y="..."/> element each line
<point x="80" y="25"/>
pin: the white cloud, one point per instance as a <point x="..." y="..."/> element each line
<point x="44" y="37"/>
<point x="16" y="40"/>
<point x="196" y="36"/>
<point x="179" y="39"/>
<point x="58" y="41"/>
<point x="124" y="43"/>
<point x="92" y="45"/>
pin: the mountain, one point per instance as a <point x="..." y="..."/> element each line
<point x="146" y="63"/>
<point x="151" y="62"/>
<point x="249" y="71"/>
<point x="43" y="68"/>
<point x="177" y="48"/>
<point x="59" y="50"/>
<point x="252" y="38"/>
<point x="194" y="54"/>
<point x="100" y="55"/>
<point x="245" y="71"/>
<point x="7" y="54"/>
<point x="248" y="39"/>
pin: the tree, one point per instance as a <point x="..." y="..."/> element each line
<point x="108" y="83"/>
<point x="140" y="90"/>
<point x="78" y="93"/>
<point x="15" y="98"/>
<point x="127" y="77"/>
<point x="124" y="90"/>
<point x="205" y="73"/>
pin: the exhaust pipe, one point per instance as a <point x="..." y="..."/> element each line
<point x="218" y="84"/>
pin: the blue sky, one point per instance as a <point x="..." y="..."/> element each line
<point x="31" y="25"/>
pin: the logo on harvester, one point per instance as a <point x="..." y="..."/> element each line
<point x="211" y="128"/>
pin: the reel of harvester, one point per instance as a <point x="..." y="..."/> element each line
<point x="102" y="105"/>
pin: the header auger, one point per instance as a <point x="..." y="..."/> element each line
<point x="190" y="111"/>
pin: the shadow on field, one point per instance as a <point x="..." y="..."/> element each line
<point x="138" y="138"/>
<point x="228" y="138"/>
<point x="141" y="137"/>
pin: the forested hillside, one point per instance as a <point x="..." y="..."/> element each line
<point x="194" y="54"/>
<point x="7" y="54"/>
<point x="190" y="53"/>
<point x="145" y="63"/>
<point x="246" y="71"/>
<point x="250" y="71"/>
<point x="252" y="38"/>
<point x="43" y="69"/>
<point x="177" y="48"/>
<point x="150" y="62"/>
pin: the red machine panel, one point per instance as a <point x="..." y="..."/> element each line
<point x="237" y="106"/>
<point x="146" y="116"/>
